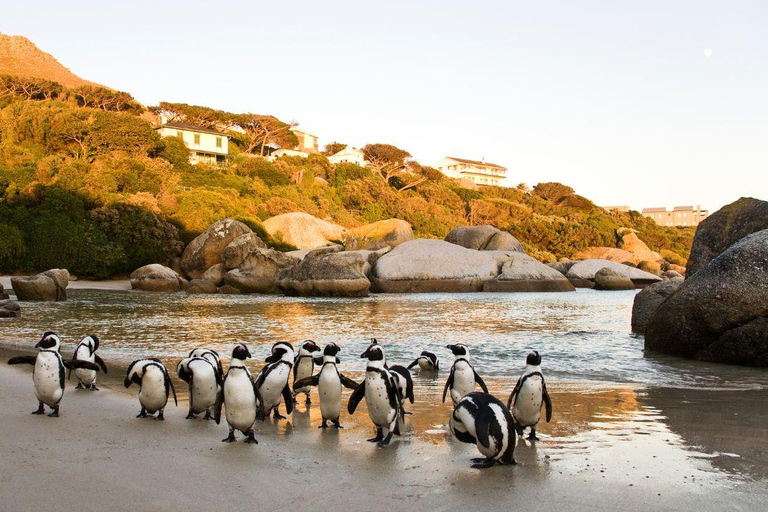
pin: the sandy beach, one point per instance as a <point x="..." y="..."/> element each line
<point x="82" y="284"/>
<point x="606" y="449"/>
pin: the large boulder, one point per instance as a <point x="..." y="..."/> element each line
<point x="156" y="278"/>
<point x="607" y="253"/>
<point x="629" y="242"/>
<point x="259" y="271"/>
<point x="205" y="251"/>
<point x="384" y="233"/>
<point x="200" y="286"/>
<point x="50" y="285"/>
<point x="9" y="309"/>
<point x="434" y="266"/>
<point x="725" y="227"/>
<point x="3" y="295"/>
<point x="215" y="274"/>
<point x="562" y="266"/>
<point x="582" y="274"/>
<point x="302" y="230"/>
<point x="607" y="279"/>
<point x="719" y="313"/>
<point x="331" y="273"/>
<point x="239" y="249"/>
<point x="521" y="273"/>
<point x="484" y="238"/>
<point x="652" y="267"/>
<point x="649" y="299"/>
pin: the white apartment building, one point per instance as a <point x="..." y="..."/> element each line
<point x="478" y="171"/>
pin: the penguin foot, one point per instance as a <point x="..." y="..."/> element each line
<point x="384" y="442"/>
<point x="483" y="463"/>
<point x="532" y="436"/>
<point x="308" y="401"/>
<point x="94" y="388"/>
<point x="40" y="409"/>
<point x="208" y="416"/>
<point x="229" y="439"/>
<point x="337" y="424"/>
<point x="323" y="425"/>
<point x="190" y="416"/>
<point x="55" y="413"/>
<point x="160" y="416"/>
<point x="251" y="439"/>
<point x="79" y="386"/>
<point x="278" y="416"/>
<point x="141" y="415"/>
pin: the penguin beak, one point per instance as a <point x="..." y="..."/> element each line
<point x="365" y="354"/>
<point x="247" y="353"/>
<point x="271" y="359"/>
<point x="127" y="382"/>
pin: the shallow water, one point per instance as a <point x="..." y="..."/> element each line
<point x="583" y="336"/>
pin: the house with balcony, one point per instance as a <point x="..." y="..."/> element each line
<point x="678" y="216"/>
<point x="479" y="172"/>
<point x="206" y="146"/>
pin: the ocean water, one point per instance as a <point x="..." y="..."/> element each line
<point x="584" y="337"/>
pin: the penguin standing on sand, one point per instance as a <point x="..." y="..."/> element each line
<point x="527" y="397"/>
<point x="209" y="355"/>
<point x="303" y="367"/>
<point x="154" y="386"/>
<point x="427" y="362"/>
<point x="381" y="395"/>
<point x="86" y="351"/>
<point x="240" y="396"/>
<point x="482" y="420"/>
<point x="463" y="376"/>
<point x="328" y="381"/>
<point x="48" y="375"/>
<point x="272" y="380"/>
<point x="404" y="383"/>
<point x="204" y="382"/>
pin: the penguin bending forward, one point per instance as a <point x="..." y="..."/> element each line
<point x="404" y="383"/>
<point x="86" y="351"/>
<point x="204" y="382"/>
<point x="209" y="355"/>
<point x="482" y="419"/>
<point x="304" y="367"/>
<point x="463" y="376"/>
<point x="328" y="381"/>
<point x="381" y="395"/>
<point x="427" y="361"/>
<point x="527" y="397"/>
<point x="154" y="386"/>
<point x="49" y="372"/>
<point x="240" y="396"/>
<point x="272" y="380"/>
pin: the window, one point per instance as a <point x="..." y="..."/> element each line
<point x="179" y="134"/>
<point x="197" y="138"/>
<point x="218" y="142"/>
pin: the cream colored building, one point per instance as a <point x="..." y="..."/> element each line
<point x="620" y="209"/>
<point x="478" y="171"/>
<point x="206" y="146"/>
<point x="678" y="216"/>
<point x="349" y="155"/>
<point x="307" y="141"/>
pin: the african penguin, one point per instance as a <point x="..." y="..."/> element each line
<point x="209" y="355"/>
<point x="328" y="381"/>
<point x="272" y="380"/>
<point x="482" y="419"/>
<point x="404" y="384"/>
<point x="381" y="395"/>
<point x="48" y="374"/>
<point x="240" y="397"/>
<point x="527" y="397"/>
<point x="204" y="382"/>
<point x="154" y="386"/>
<point x="303" y="367"/>
<point x="463" y="376"/>
<point x="427" y="361"/>
<point x="86" y="351"/>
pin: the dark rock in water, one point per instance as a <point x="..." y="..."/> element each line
<point x="229" y="290"/>
<point x="484" y="238"/>
<point x="9" y="309"/>
<point x="607" y="279"/>
<point x="649" y="299"/>
<point x="718" y="314"/>
<point x="582" y="274"/>
<point x="206" y="250"/>
<point x="725" y="227"/>
<point x="258" y="272"/>
<point x="3" y="295"/>
<point x="50" y="285"/>
<point x="157" y="278"/>
<point x="521" y="273"/>
<point x="197" y="286"/>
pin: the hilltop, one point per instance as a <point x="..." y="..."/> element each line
<point x="20" y="57"/>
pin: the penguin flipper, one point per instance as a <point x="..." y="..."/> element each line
<point x="217" y="405"/>
<point x="23" y="360"/>
<point x="414" y="363"/>
<point x="86" y="365"/>
<point x="184" y="374"/>
<point x="480" y="382"/>
<point x="448" y="384"/>
<point x="483" y="426"/>
<point x="173" y="389"/>
<point x="514" y="392"/>
<point x="347" y="382"/>
<point x="307" y="381"/>
<point x="356" y="398"/>
<point x="288" y="399"/>
<point x="547" y="400"/>
<point x="101" y="363"/>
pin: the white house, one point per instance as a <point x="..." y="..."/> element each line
<point x="349" y="155"/>
<point x="206" y="146"/>
<point x="307" y="141"/>
<point x="479" y="172"/>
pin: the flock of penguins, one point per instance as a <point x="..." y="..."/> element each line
<point x="478" y="417"/>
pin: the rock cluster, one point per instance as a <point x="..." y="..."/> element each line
<point x="9" y="309"/>
<point x="484" y="238"/>
<point x="50" y="285"/>
<point x="582" y="274"/>
<point x="649" y="299"/>
<point x="206" y="250"/>
<point x="302" y="230"/>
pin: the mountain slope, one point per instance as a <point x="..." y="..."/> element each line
<point x="20" y="57"/>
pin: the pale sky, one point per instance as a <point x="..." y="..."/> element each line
<point x="653" y="103"/>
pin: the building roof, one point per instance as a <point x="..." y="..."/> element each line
<point x="477" y="162"/>
<point x="683" y="208"/>
<point x="654" y="210"/>
<point x="190" y="128"/>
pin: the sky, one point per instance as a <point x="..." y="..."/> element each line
<point x="652" y="103"/>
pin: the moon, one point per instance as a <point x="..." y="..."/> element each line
<point x="708" y="52"/>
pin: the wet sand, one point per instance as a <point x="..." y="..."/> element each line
<point x="607" y="448"/>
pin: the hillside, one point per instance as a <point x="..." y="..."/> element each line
<point x="20" y="57"/>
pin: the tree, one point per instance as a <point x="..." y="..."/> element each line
<point x="391" y="164"/>
<point x="333" y="147"/>
<point x="552" y="191"/>
<point x="30" y="88"/>
<point x="203" y="117"/>
<point x="105" y="99"/>
<point x="260" y="130"/>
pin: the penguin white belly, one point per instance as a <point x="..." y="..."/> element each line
<point x="152" y="394"/>
<point x="527" y="408"/>
<point x="272" y="388"/>
<point x="304" y="369"/>
<point x="381" y="412"/>
<point x="463" y="381"/>
<point x="84" y="376"/>
<point x="329" y="389"/>
<point x="47" y="379"/>
<point x="204" y="387"/>
<point x="240" y="401"/>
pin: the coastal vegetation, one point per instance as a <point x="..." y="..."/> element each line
<point x="87" y="184"/>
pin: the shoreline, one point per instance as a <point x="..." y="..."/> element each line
<point x="84" y="284"/>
